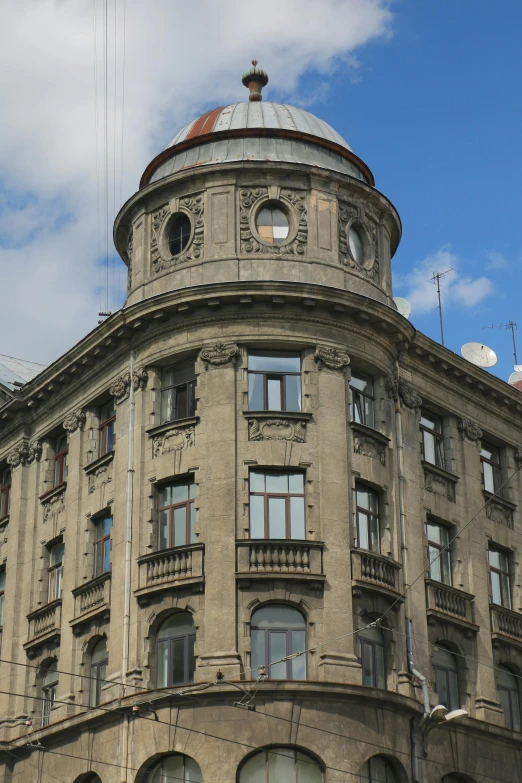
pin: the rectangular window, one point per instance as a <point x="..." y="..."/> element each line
<point x="277" y="505"/>
<point x="490" y="467"/>
<point x="367" y="525"/>
<point x="432" y="440"/>
<point x="274" y="381"/>
<point x="178" y="392"/>
<point x="2" y="596"/>
<point x="60" y="461"/>
<point x="55" y="572"/>
<point x="499" y="580"/>
<point x="362" y="403"/>
<point x="106" y="428"/>
<point x="48" y="701"/>
<point x="5" y="493"/>
<point x="439" y="557"/>
<point x="177" y="514"/>
<point x="102" y="545"/>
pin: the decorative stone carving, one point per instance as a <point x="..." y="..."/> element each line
<point x="518" y="458"/>
<point x="367" y="446"/>
<point x="498" y="512"/>
<point x="24" y="453"/>
<point x="248" y="201"/>
<point x="99" y="477"/>
<point x="54" y="505"/>
<point x="332" y="358"/>
<point x="218" y="354"/>
<point x="121" y="387"/>
<point x="391" y="385"/>
<point x="175" y="439"/>
<point x="349" y="213"/>
<point x="439" y="484"/>
<point x="409" y="397"/>
<point x="277" y="429"/>
<point x="468" y="429"/>
<point x="74" y="421"/>
<point x="193" y="206"/>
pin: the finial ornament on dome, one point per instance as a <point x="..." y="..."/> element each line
<point x="255" y="79"/>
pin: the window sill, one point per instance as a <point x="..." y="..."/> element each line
<point x="490" y="496"/>
<point x="99" y="461"/>
<point x="159" y="429"/>
<point x="52" y="492"/>
<point x="363" y="429"/>
<point x="292" y="415"/>
<point x="441" y="472"/>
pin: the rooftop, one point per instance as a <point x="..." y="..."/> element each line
<point x="16" y="372"/>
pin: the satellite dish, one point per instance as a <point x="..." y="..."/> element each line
<point x="518" y="368"/>
<point x="403" y="306"/>
<point x="479" y="354"/>
<point x="515" y="376"/>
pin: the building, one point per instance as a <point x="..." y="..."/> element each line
<point x="255" y="526"/>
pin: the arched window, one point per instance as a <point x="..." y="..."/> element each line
<point x="175" y="767"/>
<point x="377" y="770"/>
<point x="5" y="492"/>
<point x="509" y="698"/>
<point x="446" y="683"/>
<point x="88" y="777"/>
<point x="372" y="656"/>
<point x="280" y="764"/>
<point x="99" y="661"/>
<point x="175" y="651"/>
<point x="278" y="631"/>
<point x="49" y="686"/>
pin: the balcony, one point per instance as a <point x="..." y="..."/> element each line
<point x="506" y="624"/>
<point x="376" y="573"/>
<point x="91" y="600"/>
<point x="260" y="559"/>
<point x="170" y="569"/>
<point x="44" y="625"/>
<point x="449" y="604"/>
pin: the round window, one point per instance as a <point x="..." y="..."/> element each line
<point x="272" y="225"/>
<point x="356" y="246"/>
<point x="179" y="234"/>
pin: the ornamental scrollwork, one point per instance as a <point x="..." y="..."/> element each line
<point x="332" y="358"/>
<point x="468" y="429"/>
<point x="24" y="453"/>
<point x="100" y="477"/>
<point x="409" y="397"/>
<point x="176" y="439"/>
<point x="348" y="214"/>
<point x="249" y="198"/>
<point x="193" y="206"/>
<point x="54" y="506"/>
<point x="219" y="354"/>
<point x="367" y="446"/>
<point x="277" y="429"/>
<point x="74" y="421"/>
<point x="121" y="387"/>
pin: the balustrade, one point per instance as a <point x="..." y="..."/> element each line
<point x="292" y="558"/>
<point x="449" y="601"/>
<point x="374" y="569"/>
<point x="506" y="622"/>
<point x="169" y="567"/>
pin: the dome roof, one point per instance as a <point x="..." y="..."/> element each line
<point x="258" y="114"/>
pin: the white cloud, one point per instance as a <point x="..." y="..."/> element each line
<point x="180" y="59"/>
<point x="496" y="261"/>
<point x="456" y="289"/>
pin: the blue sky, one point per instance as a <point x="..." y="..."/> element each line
<point x="427" y="93"/>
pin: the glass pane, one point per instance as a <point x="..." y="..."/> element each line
<point x="373" y="499"/>
<point x="167" y="375"/>
<point x="257" y="481"/>
<point x="257" y="516"/>
<point x="277" y="483"/>
<point x="362" y="498"/>
<point x="274" y="362"/>
<point x="180" y="526"/>
<point x="179" y="492"/>
<point x="506" y="591"/>
<point x="99" y="652"/>
<point x="56" y="554"/>
<point x="177" y="663"/>
<point x="430" y="422"/>
<point x="109" y="443"/>
<point x="376" y="538"/>
<point x="172" y="769"/>
<point x="454" y="690"/>
<point x="102" y="674"/>
<point x="445" y="559"/>
<point x="434" y="533"/>
<point x="356" y="245"/>
<point x="177" y="624"/>
<point x="103" y="527"/>
<point x="264" y="217"/>
<point x="93" y="695"/>
<point x="277" y="616"/>
<point x="274" y="393"/>
<point x="255" y="392"/>
<point x="379" y="667"/>
<point x="441" y="686"/>
<point x="358" y="411"/>
<point x="164" y="495"/>
<point x="298" y="644"/>
<point x="193" y="488"/>
<point x="364" y="538"/>
<point x="276" y="517"/>
<point x="515" y="710"/>
<point x="163" y="530"/>
<point x="107" y="556"/>
<point x="307" y="770"/>
<point x="367" y="664"/>
<point x="254" y="771"/>
<point x="281" y="765"/>
<point x="162" y="664"/>
<point x="369" y="412"/>
<point x="494" y="558"/>
<point x="435" y="564"/>
<point x="496" y="596"/>
<point x="359" y="383"/>
<point x="297" y="518"/>
<point x="489" y="482"/>
<point x="257" y="641"/>
<point x="98" y="558"/>
<point x="192" y="512"/>
<point x="293" y="392"/>
<point x="277" y="640"/>
<point x="429" y="447"/>
<point x="167" y="405"/>
<point x="296" y="483"/>
<point x="192" y="771"/>
<point x="191" y="660"/>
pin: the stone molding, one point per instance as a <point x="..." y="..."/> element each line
<point x="439" y="481"/>
<point x="120" y="389"/>
<point x="354" y="214"/>
<point x="193" y="207"/>
<point x="470" y="431"/>
<point x="24" y="453"/>
<point x="251" y="198"/>
<point x="219" y="354"/>
<point x="276" y="428"/>
<point x="74" y="421"/>
<point x="331" y="358"/>
<point x="175" y="438"/>
<point x="369" y="443"/>
<point x="99" y="477"/>
<point x="500" y="510"/>
<point x="54" y="505"/>
<point x="409" y="397"/>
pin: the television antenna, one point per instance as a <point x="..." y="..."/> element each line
<point x="403" y="306"/>
<point x="508" y="325"/>
<point x="479" y="354"/>
<point x="437" y="277"/>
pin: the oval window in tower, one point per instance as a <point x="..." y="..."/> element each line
<point x="179" y="233"/>
<point x="272" y="224"/>
<point x="356" y="245"/>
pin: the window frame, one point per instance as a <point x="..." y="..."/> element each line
<point x="444" y="554"/>
<point x="188" y="639"/>
<point x="292" y="752"/>
<point x="373" y="644"/>
<point x="501" y="573"/>
<point x="60" y="466"/>
<point x="171" y="390"/>
<point x="446" y="670"/>
<point x="366" y="399"/>
<point x="494" y="465"/>
<point x="48" y="695"/>
<point x="107" y="417"/>
<point x="267" y="634"/>
<point x="190" y="518"/>
<point x="436" y="435"/>
<point x="267" y="496"/>
<point x="512" y="708"/>
<point x="100" y="545"/>
<point x="5" y="492"/>
<point x="272" y="375"/>
<point x="55" y="574"/>
<point x="369" y="516"/>
<point x="95" y="674"/>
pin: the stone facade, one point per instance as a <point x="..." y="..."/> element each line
<point x="225" y="297"/>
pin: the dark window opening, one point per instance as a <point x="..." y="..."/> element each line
<point x="178" y="392"/>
